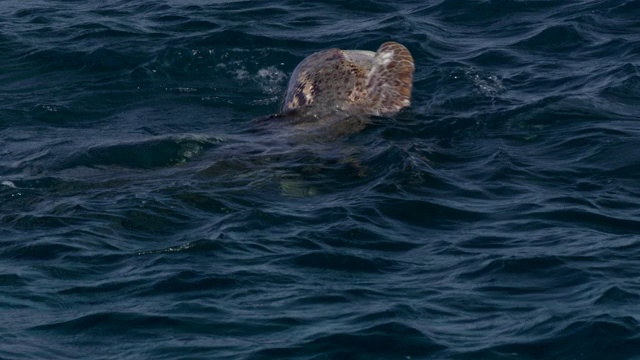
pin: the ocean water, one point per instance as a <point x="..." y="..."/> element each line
<point x="146" y="214"/>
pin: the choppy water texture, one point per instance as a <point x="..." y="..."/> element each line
<point x="144" y="214"/>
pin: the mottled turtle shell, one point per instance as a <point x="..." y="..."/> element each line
<point x="356" y="81"/>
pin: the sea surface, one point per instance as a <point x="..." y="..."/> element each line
<point x="146" y="214"/>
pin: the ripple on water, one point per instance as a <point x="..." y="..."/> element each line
<point x="145" y="214"/>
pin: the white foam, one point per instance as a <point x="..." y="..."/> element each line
<point x="487" y="84"/>
<point x="270" y="80"/>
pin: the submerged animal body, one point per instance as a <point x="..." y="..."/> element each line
<point x="331" y="94"/>
<point x="353" y="81"/>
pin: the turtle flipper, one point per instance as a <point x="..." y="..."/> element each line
<point x="390" y="80"/>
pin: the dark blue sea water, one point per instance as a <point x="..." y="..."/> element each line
<point x="145" y="214"/>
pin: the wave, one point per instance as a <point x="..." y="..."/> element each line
<point x="145" y="213"/>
